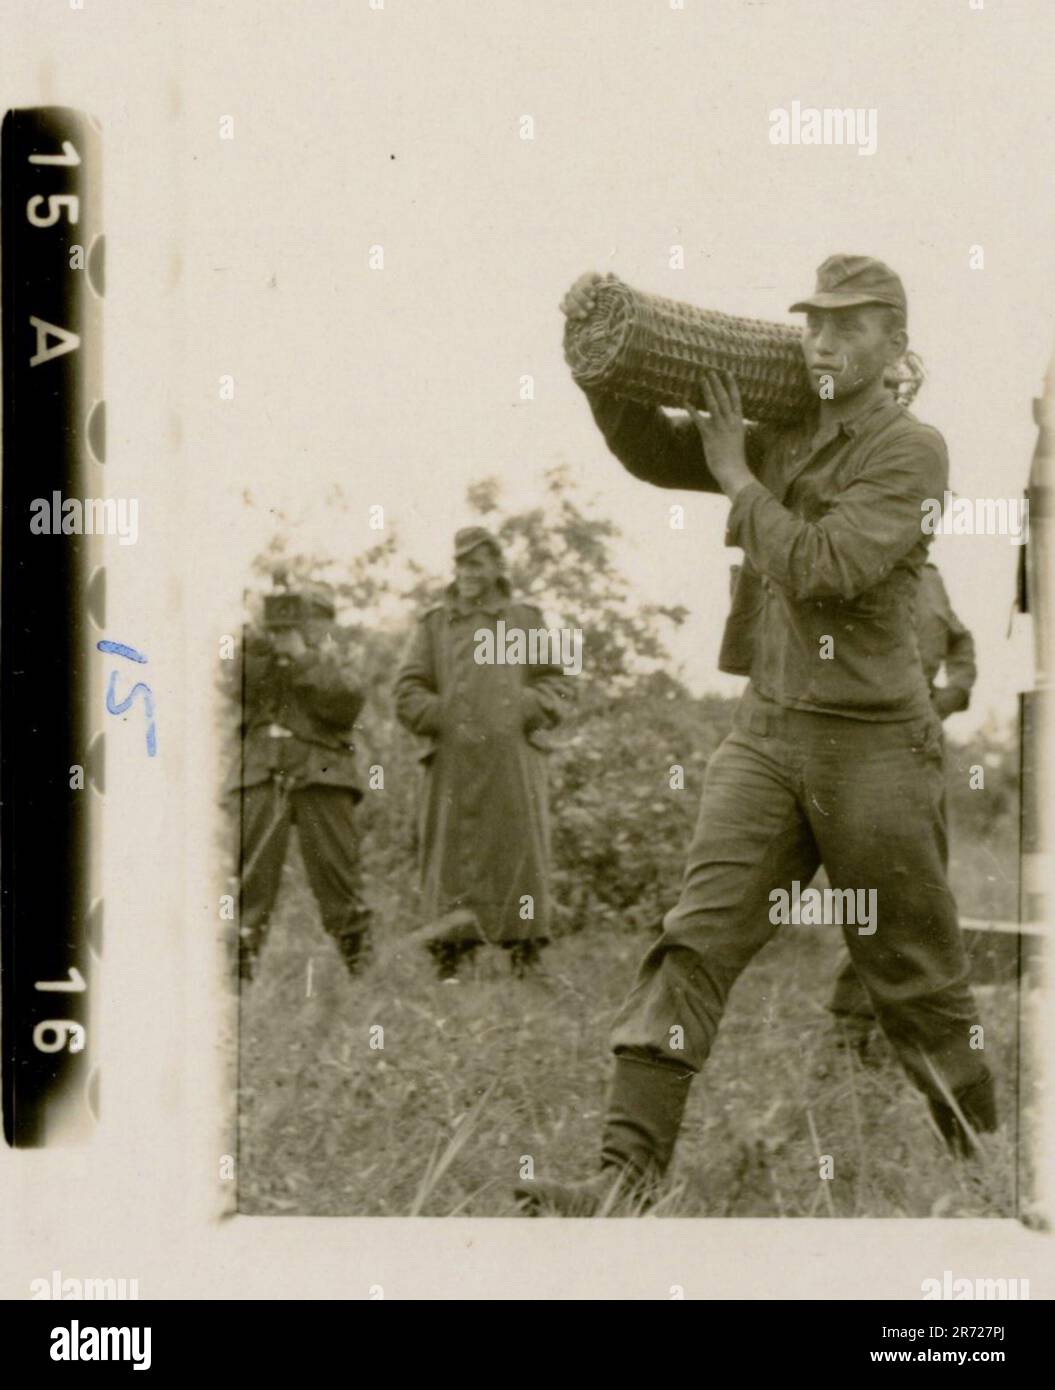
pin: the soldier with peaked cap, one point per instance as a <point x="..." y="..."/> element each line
<point x="835" y="756"/>
<point x="296" y="767"/>
<point x="484" y="826"/>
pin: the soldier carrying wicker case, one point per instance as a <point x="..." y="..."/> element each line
<point x="835" y="756"/>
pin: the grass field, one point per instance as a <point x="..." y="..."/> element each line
<point x="473" y="1077"/>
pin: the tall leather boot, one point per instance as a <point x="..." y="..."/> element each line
<point x="977" y="1104"/>
<point x="450" y="956"/>
<point x="646" y="1101"/>
<point x="352" y="940"/>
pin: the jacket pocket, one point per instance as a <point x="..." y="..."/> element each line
<point x="863" y="605"/>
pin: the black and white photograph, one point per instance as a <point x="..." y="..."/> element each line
<point x="648" y="691"/>
<point x="577" y="739"/>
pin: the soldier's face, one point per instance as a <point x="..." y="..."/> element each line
<point x="847" y="350"/>
<point x="475" y="573"/>
<point x="316" y="629"/>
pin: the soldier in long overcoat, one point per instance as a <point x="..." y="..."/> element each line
<point x="484" y="828"/>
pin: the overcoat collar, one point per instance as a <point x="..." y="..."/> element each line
<point x="493" y="605"/>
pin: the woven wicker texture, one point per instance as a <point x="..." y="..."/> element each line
<point x="653" y="350"/>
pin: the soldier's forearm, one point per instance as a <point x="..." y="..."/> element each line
<point x="417" y="709"/>
<point x="950" y="699"/>
<point x="554" y="695"/>
<point x="960" y="667"/>
<point x="651" y="445"/>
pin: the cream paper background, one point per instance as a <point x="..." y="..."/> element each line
<point x="249" y="256"/>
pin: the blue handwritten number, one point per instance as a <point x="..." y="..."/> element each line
<point x="118" y="707"/>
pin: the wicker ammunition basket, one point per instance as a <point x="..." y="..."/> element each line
<point x="654" y="350"/>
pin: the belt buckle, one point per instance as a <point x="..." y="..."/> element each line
<point x="279" y="731"/>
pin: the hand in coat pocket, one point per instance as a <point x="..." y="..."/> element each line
<point x="532" y="712"/>
<point x="431" y="721"/>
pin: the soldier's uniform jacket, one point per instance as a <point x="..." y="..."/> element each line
<point x="833" y="544"/>
<point x="484" y="834"/>
<point x="297" y="719"/>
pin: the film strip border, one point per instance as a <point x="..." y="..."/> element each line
<point x="52" y="615"/>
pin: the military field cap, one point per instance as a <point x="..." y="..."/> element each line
<point x="469" y="537"/>
<point x="320" y="596"/>
<point x="843" y="281"/>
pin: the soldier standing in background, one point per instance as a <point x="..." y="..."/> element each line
<point x="484" y="828"/>
<point x="296" y="766"/>
<point x="943" y="641"/>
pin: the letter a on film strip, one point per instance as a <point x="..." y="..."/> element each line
<point x="52" y="591"/>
